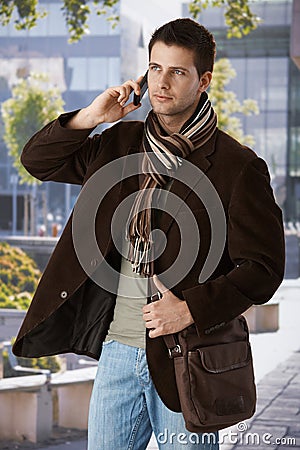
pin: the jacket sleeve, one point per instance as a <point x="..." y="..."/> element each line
<point x="56" y="153"/>
<point x="256" y="247"/>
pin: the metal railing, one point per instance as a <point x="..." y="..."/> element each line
<point x="14" y="364"/>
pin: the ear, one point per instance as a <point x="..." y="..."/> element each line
<point x="205" y="81"/>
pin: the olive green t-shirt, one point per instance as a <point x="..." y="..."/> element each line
<point x="128" y="326"/>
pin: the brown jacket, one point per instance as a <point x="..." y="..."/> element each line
<point x="71" y="313"/>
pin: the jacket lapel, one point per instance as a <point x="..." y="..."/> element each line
<point x="186" y="179"/>
<point x="129" y="185"/>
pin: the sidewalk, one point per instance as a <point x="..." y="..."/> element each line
<point x="276" y="424"/>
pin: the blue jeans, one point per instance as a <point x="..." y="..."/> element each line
<point x="125" y="408"/>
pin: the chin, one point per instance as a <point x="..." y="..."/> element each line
<point x="161" y="109"/>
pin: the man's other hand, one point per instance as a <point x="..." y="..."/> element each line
<point x="167" y="315"/>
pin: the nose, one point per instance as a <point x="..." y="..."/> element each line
<point x="163" y="80"/>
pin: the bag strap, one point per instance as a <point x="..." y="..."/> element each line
<point x="171" y="340"/>
<point x="173" y="345"/>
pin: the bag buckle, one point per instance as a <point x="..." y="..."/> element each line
<point x="174" y="351"/>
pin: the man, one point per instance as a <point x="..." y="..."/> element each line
<point x="75" y="310"/>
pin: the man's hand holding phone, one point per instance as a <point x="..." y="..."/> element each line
<point x="108" y="107"/>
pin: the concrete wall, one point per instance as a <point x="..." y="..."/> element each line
<point x="73" y="405"/>
<point x="26" y="415"/>
<point x="29" y="407"/>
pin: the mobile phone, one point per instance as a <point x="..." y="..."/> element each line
<point x="144" y="86"/>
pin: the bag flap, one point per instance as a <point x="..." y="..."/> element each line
<point x="225" y="357"/>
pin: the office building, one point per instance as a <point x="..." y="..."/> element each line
<point x="265" y="70"/>
<point x="81" y="71"/>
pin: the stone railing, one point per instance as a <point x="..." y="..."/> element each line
<point x="31" y="405"/>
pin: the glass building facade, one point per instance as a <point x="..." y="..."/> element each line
<point x="106" y="57"/>
<point x="81" y="71"/>
<point x="267" y="74"/>
<point x="293" y="156"/>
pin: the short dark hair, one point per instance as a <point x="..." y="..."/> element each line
<point x="188" y="34"/>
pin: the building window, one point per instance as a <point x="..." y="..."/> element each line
<point x="94" y="74"/>
<point x="277" y="77"/>
<point x="56" y="20"/>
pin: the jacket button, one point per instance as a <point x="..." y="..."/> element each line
<point x="64" y="294"/>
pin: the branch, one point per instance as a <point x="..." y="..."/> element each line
<point x="238" y="16"/>
<point x="26" y="10"/>
<point x="76" y="14"/>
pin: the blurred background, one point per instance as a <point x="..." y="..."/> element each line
<point x="57" y="56"/>
<point x="110" y="52"/>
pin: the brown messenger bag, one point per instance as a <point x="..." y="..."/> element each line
<point x="214" y="375"/>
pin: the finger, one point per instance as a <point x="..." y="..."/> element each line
<point x="160" y="286"/>
<point x="146" y="316"/>
<point x="127" y="88"/>
<point x="146" y="308"/>
<point x="132" y="86"/>
<point x="149" y="324"/>
<point x="155" y="333"/>
<point x="119" y="94"/>
<point x="114" y="91"/>
<point x="129" y="108"/>
<point x="154" y="325"/>
<point x="135" y="85"/>
<point x="125" y="92"/>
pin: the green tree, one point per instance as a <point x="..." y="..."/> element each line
<point x="32" y="105"/>
<point x="239" y="18"/>
<point x="19" y="277"/>
<point x="226" y="104"/>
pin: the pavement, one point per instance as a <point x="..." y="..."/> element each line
<point x="276" y="423"/>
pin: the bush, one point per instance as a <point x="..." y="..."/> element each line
<point x="19" y="276"/>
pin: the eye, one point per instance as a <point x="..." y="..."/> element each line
<point x="155" y="68"/>
<point x="178" y="72"/>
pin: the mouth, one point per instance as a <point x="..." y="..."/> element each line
<point x="162" y="98"/>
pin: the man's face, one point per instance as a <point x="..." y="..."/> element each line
<point x="173" y="81"/>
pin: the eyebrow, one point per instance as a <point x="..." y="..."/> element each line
<point x="184" y="69"/>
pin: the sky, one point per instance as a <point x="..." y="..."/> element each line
<point x="151" y="14"/>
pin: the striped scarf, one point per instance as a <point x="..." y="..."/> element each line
<point x="162" y="157"/>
